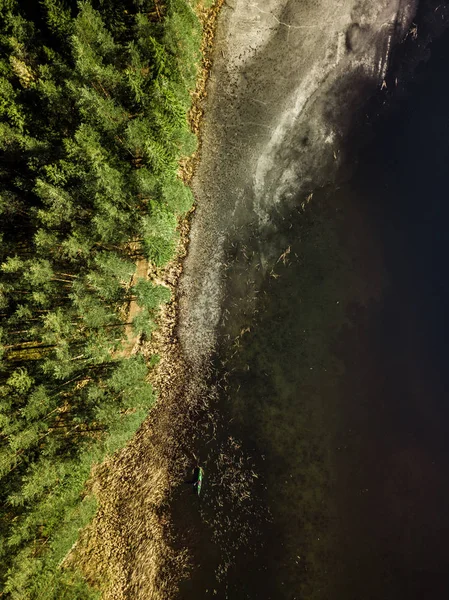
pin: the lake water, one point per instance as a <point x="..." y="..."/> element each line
<point x="327" y="456"/>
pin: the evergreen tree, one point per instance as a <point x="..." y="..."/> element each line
<point x="58" y="18"/>
<point x="94" y="98"/>
<point x="159" y="235"/>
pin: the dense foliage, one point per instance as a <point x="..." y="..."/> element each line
<point x="93" y="104"/>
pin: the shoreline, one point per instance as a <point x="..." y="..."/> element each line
<point x="102" y="553"/>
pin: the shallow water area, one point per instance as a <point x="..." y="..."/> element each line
<point x="326" y="453"/>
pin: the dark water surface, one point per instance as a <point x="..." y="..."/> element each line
<point x="392" y="480"/>
<point x="337" y="393"/>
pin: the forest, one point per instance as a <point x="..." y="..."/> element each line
<point x="94" y="98"/>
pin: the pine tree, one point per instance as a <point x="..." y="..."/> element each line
<point x="149" y="295"/>
<point x="58" y="18"/>
<point x="94" y="98"/>
<point x="159" y="235"/>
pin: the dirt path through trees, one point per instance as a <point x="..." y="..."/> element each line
<point x="134" y="309"/>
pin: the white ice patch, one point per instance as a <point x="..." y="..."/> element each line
<point x="330" y="138"/>
<point x="249" y="29"/>
<point x="286" y="147"/>
<point x="272" y="178"/>
<point x="268" y="161"/>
